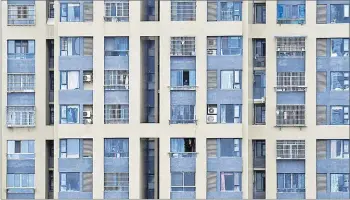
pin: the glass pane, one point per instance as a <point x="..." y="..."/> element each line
<point x="189" y="178"/>
<point x="73" y="148"/>
<point x="227" y="147"/>
<point x="176" y="179"/>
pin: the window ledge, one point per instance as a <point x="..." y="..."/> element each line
<point x="183" y="88"/>
<point x="189" y="122"/>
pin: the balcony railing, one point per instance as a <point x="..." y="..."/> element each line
<point x="183" y="154"/>
<point x="20" y="156"/>
<point x="116" y="18"/>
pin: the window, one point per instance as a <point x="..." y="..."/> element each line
<point x="183" y="181"/>
<point x="70" y="12"/>
<point x="290" y="115"/>
<point x="290" y="81"/>
<point x="21" y="14"/>
<point x="116" y="114"/>
<point x="259" y="149"/>
<point x="20" y="49"/>
<point x="290" y="14"/>
<point x="20" y="149"/>
<point x="260" y="13"/>
<point x="116" y="46"/>
<point x="230" y="147"/>
<point x="339" y="182"/>
<point x="230" y="181"/>
<point x="183" y="78"/>
<point x="321" y="14"/>
<point x="212" y="80"/>
<point x="259" y="114"/>
<point x="340" y="13"/>
<point x="230" y="113"/>
<point x="290" y="46"/>
<point x="290" y="149"/>
<point x="20" y="82"/>
<point x="69" y="182"/>
<point x="231" y="46"/>
<point x="339" y="115"/>
<point x="70" y="114"/>
<point x="116" y="182"/>
<point x="340" y="47"/>
<point x="259" y="182"/>
<point x="70" y="46"/>
<point x="339" y="149"/>
<point x="230" y="80"/>
<point x="116" y="80"/>
<point x="290" y="182"/>
<point x="339" y="81"/>
<point x="116" y="11"/>
<point x="321" y="182"/>
<point x="321" y="80"/>
<point x="183" y="46"/>
<point x="183" y="114"/>
<point x="182" y="147"/>
<point x="20" y="181"/>
<point x="230" y="11"/>
<point x="51" y="10"/>
<point x="70" y="80"/>
<point x="321" y="115"/>
<point x="69" y="148"/>
<point x="116" y="148"/>
<point x="183" y="10"/>
<point x="20" y="116"/>
<point x="52" y="114"/>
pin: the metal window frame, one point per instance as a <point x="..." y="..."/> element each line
<point x="20" y="181"/>
<point x="118" y="183"/>
<point x="186" y="118"/>
<point x="110" y="118"/>
<point x="239" y="184"/>
<point x="296" y="149"/>
<point x="290" y="115"/>
<point x="29" y="118"/>
<point x="183" y="46"/>
<point x="291" y="189"/>
<point x="290" y="45"/>
<point x="341" y="174"/>
<point x="26" y="82"/>
<point x="22" y="15"/>
<point x="182" y="10"/>
<point x="290" y="82"/>
<point x="121" y="11"/>
<point x="183" y="186"/>
<point x="114" y="77"/>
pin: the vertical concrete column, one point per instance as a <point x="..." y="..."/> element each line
<point x="201" y="168"/>
<point x="3" y="166"/>
<point x="134" y="167"/>
<point x="271" y="72"/>
<point x="310" y="80"/>
<point x="98" y="168"/>
<point x="164" y="168"/>
<point x="164" y="75"/>
<point x="40" y="179"/>
<point x="201" y="78"/>
<point x="134" y="63"/>
<point x="310" y="168"/>
<point x="271" y="169"/>
<point x="56" y="173"/>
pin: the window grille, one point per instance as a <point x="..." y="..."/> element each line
<point x="290" y="149"/>
<point x="290" y="115"/>
<point x="20" y="82"/>
<point x="116" y="114"/>
<point x="183" y="46"/>
<point x="290" y="81"/>
<point x="116" y="80"/>
<point x="290" y="46"/>
<point x="116" y="11"/>
<point x="183" y="114"/>
<point x="20" y="116"/>
<point x="183" y="10"/>
<point x="51" y="10"/>
<point x="21" y="15"/>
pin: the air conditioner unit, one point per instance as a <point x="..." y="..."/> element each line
<point x="212" y="43"/>
<point x="212" y="119"/>
<point x="87" y="121"/>
<point x="212" y="52"/>
<point x="87" y="78"/>
<point x="212" y="110"/>
<point x="86" y="114"/>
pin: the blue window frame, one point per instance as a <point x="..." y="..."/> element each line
<point x="116" y="46"/>
<point x="183" y="114"/>
<point x="20" y="181"/>
<point x="340" y="13"/>
<point x="69" y="148"/>
<point x="230" y="11"/>
<point x="230" y="113"/>
<point x="291" y="14"/>
<point x="70" y="12"/>
<point x="340" y="81"/>
<point x="230" y="147"/>
<point x="339" y="149"/>
<point x="230" y="181"/>
<point x="260" y="13"/>
<point x="230" y="80"/>
<point x="183" y="78"/>
<point x="290" y="182"/>
<point x="70" y="46"/>
<point x="20" y="49"/>
<point x="70" y="114"/>
<point x="231" y="46"/>
<point x="70" y="182"/>
<point x="70" y="80"/>
<point x="339" y="115"/>
<point x="116" y="148"/>
<point x="340" y="47"/>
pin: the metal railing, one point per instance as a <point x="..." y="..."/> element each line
<point x="183" y="154"/>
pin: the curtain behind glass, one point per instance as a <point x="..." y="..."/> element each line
<point x="73" y="80"/>
<point x="177" y="145"/>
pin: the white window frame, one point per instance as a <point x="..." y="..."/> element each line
<point x="20" y="82"/>
<point x="236" y="186"/>
<point x="291" y="189"/>
<point x="61" y="185"/>
<point x="184" y="121"/>
<point x="63" y="116"/>
<point x="65" y="77"/>
<point x="21" y="15"/>
<point x="345" y="75"/>
<point x="344" y="149"/>
<point x="20" y="116"/>
<point x="290" y="46"/>
<point x="64" y="153"/>
<point x="20" y="180"/>
<point x="183" y="46"/>
<point x="290" y="149"/>
<point x="120" y="110"/>
<point x="336" y="177"/>
<point x="121" y="11"/>
<point x="183" y="183"/>
<point x="235" y="75"/>
<point x="346" y="113"/>
<point x="118" y="184"/>
<point x="182" y="10"/>
<point x="290" y="115"/>
<point x="11" y="148"/>
<point x="116" y="76"/>
<point x="290" y="81"/>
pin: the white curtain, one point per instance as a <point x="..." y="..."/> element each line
<point x="73" y="80"/>
<point x="177" y="145"/>
<point x="333" y="149"/>
<point x="334" y="182"/>
<point x="227" y="80"/>
<point x="223" y="114"/>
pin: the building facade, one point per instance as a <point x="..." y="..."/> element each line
<point x="175" y="99"/>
